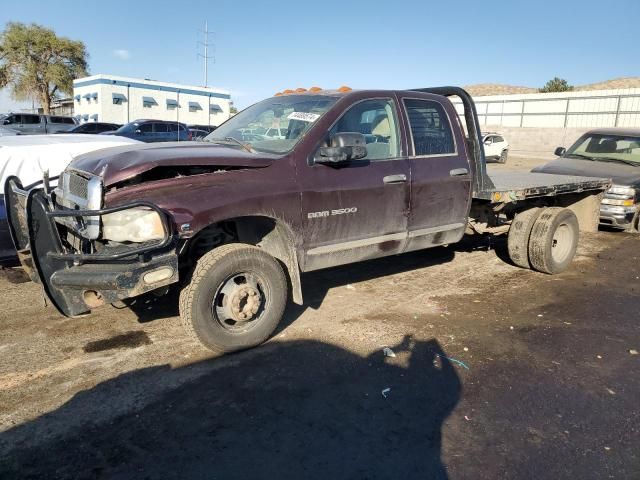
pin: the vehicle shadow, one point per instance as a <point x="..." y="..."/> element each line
<point x="300" y="409"/>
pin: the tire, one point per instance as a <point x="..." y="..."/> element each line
<point x="518" y="240"/>
<point x="553" y="240"/>
<point x="229" y="282"/>
<point x="503" y="157"/>
<point x="635" y="224"/>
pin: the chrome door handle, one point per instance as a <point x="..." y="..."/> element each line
<point x="400" y="178"/>
<point x="456" y="172"/>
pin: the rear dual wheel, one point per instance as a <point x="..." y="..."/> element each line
<point x="544" y="239"/>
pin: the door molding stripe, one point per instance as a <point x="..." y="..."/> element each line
<point x="366" y="242"/>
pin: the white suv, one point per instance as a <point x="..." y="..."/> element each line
<point x="495" y="147"/>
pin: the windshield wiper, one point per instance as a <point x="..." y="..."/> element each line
<point x="620" y="160"/>
<point x="246" y="146"/>
<point x="579" y="155"/>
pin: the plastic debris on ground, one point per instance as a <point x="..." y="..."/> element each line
<point x="388" y="352"/>
<point x="385" y="392"/>
<point x="350" y="287"/>
<point x="633" y="352"/>
<point x="454" y="360"/>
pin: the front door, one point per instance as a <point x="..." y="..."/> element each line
<point x="358" y="210"/>
<point x="440" y="174"/>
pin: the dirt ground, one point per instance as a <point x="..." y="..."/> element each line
<point x="499" y="373"/>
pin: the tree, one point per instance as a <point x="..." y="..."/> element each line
<point x="39" y="65"/>
<point x="556" y="85"/>
<point x="232" y="108"/>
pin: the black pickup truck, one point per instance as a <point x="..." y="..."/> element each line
<point x="234" y="221"/>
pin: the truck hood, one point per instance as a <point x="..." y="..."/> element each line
<point x="118" y="164"/>
<point x="620" y="173"/>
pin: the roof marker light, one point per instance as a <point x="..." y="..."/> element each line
<point x="315" y="89"/>
<point x="344" y="88"/>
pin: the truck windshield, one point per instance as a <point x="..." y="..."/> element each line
<point x="607" y="148"/>
<point x="274" y="125"/>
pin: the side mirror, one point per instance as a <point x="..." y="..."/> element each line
<point x="7" y="122"/>
<point x="560" y="151"/>
<point x="487" y="142"/>
<point x="138" y="132"/>
<point x="343" y="147"/>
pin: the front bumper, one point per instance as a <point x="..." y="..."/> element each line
<point x="74" y="281"/>
<point x="617" y="217"/>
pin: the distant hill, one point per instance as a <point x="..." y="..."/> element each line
<point x="482" y="89"/>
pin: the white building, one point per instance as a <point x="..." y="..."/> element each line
<point x="108" y="98"/>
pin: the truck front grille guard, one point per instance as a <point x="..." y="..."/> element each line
<point x="14" y="189"/>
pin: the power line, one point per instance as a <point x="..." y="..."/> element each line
<point x="206" y="44"/>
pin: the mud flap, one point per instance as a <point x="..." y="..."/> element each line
<point x="44" y="241"/>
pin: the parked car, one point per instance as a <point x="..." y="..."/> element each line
<point x="94" y="128"/>
<point x="496" y="148"/>
<point x="607" y="152"/>
<point x="206" y="128"/>
<point x="153" y="131"/>
<point x="198" y="135"/>
<point x="36" y="124"/>
<point x="234" y="223"/>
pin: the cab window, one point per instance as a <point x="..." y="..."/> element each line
<point x="430" y="128"/>
<point x="376" y="120"/>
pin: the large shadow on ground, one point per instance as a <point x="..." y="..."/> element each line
<point x="297" y="410"/>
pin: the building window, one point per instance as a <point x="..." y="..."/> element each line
<point x="118" y="98"/>
<point x="172" y="104"/>
<point x="148" y="102"/>
<point x="215" y="108"/>
<point x="78" y="97"/>
<point x="94" y="117"/>
<point x="194" y="106"/>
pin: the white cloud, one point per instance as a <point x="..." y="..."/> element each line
<point x="122" y="54"/>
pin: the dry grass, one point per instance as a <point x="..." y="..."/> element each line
<point x="482" y="89"/>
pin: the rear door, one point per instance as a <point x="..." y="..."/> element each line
<point x="440" y="172"/>
<point x="358" y="210"/>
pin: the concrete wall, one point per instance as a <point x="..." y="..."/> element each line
<point x="196" y="105"/>
<point x="537" y="142"/>
<point x="584" y="109"/>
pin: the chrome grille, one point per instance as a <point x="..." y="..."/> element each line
<point x="78" y="186"/>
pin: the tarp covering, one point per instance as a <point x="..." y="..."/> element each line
<point x="27" y="156"/>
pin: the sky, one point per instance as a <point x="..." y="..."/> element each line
<point x="266" y="46"/>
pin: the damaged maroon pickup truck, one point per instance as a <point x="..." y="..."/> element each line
<point x="298" y="182"/>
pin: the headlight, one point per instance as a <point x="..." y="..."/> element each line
<point x="623" y="192"/>
<point x="132" y="225"/>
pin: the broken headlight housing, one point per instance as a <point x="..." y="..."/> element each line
<point x="134" y="225"/>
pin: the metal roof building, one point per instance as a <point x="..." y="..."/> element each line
<point x="109" y="98"/>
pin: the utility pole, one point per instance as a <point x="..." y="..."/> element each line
<point x="206" y="56"/>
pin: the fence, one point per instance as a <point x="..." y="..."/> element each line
<point x="588" y="109"/>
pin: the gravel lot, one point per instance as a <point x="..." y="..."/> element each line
<point x="499" y="373"/>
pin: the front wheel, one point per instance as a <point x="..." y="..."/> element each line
<point x="503" y="157"/>
<point x="236" y="298"/>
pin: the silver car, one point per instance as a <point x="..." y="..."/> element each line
<point x="33" y="123"/>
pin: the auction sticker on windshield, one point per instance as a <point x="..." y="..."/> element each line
<point x="303" y="116"/>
